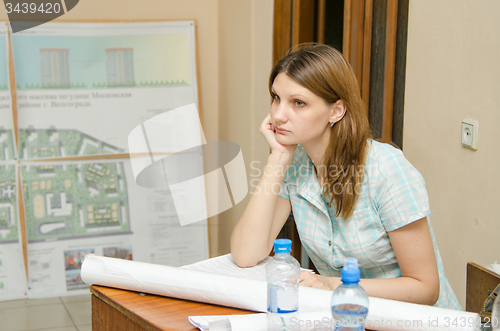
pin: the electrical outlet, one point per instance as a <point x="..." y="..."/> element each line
<point x="469" y="134"/>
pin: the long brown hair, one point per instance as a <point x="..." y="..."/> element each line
<point x="325" y="72"/>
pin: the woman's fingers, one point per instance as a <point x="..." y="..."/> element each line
<point x="268" y="130"/>
<point x="310" y="280"/>
<point x="266" y="124"/>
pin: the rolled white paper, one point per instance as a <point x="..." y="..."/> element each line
<point x="175" y="282"/>
<point x="251" y="294"/>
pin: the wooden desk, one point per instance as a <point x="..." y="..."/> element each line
<point x="115" y="309"/>
<point x="480" y="283"/>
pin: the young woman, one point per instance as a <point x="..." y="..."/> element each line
<point x="350" y="195"/>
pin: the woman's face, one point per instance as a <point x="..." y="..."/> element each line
<point x="299" y="115"/>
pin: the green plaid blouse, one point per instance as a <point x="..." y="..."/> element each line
<point x="392" y="195"/>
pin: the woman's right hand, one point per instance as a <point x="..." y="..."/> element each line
<point x="268" y="131"/>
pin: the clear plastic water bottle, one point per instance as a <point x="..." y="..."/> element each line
<point x="349" y="301"/>
<point x="283" y="274"/>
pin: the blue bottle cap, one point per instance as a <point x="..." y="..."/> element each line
<point x="350" y="272"/>
<point x="282" y="246"/>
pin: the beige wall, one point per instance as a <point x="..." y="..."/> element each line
<point x="245" y="33"/>
<point x="453" y="72"/>
<point x="235" y="54"/>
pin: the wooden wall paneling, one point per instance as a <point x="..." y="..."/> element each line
<point x="321" y="21"/>
<point x="400" y="74"/>
<point x="389" y="69"/>
<point x="377" y="63"/>
<point x="357" y="34"/>
<point x="282" y="28"/>
<point x="334" y="23"/>
<point x="369" y="45"/>
<point x="357" y="41"/>
<point x="354" y="35"/>
<point x="346" y="41"/>
<point x="367" y="48"/>
<point x="303" y="18"/>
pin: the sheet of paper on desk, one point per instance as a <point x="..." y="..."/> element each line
<point x="258" y="322"/>
<point x="381" y="317"/>
<point x="225" y="265"/>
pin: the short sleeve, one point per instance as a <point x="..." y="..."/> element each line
<point x="402" y="196"/>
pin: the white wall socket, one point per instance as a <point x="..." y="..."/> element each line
<point x="469" y="134"/>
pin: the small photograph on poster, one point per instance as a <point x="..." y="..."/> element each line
<point x="120" y="252"/>
<point x="73" y="260"/>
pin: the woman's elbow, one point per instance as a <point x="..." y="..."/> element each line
<point x="245" y="263"/>
<point x="241" y="257"/>
<point x="434" y="297"/>
<point x="246" y="258"/>
<point x="432" y="294"/>
<point x="242" y="260"/>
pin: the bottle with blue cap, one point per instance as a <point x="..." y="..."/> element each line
<point x="283" y="274"/>
<point x="349" y="302"/>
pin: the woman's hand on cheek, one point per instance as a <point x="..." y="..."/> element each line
<point x="317" y="281"/>
<point x="268" y="131"/>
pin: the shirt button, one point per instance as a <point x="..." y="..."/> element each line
<point x="330" y="243"/>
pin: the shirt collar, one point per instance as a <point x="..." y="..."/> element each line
<point x="308" y="186"/>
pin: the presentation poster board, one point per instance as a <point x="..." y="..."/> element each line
<point x="80" y="89"/>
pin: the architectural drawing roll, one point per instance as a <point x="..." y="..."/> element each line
<point x="175" y="282"/>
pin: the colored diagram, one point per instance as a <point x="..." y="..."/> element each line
<point x="6" y="145"/>
<point x="80" y="62"/>
<point x="75" y="200"/>
<point x="8" y="202"/>
<point x="38" y="144"/>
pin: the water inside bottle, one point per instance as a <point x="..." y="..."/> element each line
<point x="282" y="298"/>
<point x="349" y="316"/>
